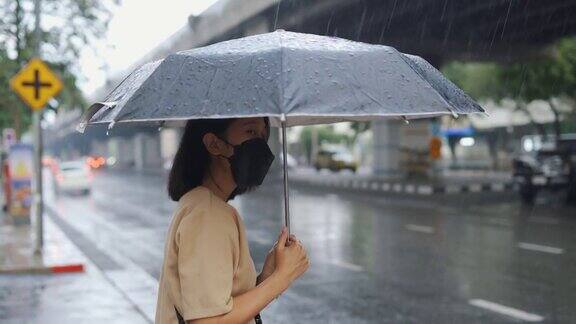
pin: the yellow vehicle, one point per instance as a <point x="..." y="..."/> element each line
<point x="335" y="159"/>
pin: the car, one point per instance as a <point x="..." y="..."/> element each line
<point x="96" y="161"/>
<point x="546" y="163"/>
<point x="335" y="159"/>
<point x="74" y="176"/>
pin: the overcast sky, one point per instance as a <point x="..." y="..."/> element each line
<point x="136" y="28"/>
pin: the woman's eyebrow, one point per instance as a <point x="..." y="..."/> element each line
<point x="255" y="122"/>
<point x="251" y="123"/>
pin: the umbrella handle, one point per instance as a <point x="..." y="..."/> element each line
<point x="285" y="168"/>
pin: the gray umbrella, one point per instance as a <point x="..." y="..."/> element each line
<point x="293" y="78"/>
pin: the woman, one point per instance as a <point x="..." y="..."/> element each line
<point x="208" y="275"/>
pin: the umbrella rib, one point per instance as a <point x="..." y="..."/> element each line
<point x="367" y="94"/>
<point x="173" y="82"/>
<point x="115" y="116"/>
<point x="281" y="83"/>
<point x="209" y="89"/>
<point x="405" y="59"/>
<point x="92" y="110"/>
<point x="283" y="122"/>
<point x="202" y="60"/>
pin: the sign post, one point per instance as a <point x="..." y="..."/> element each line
<point x="36" y="84"/>
<point x="8" y="138"/>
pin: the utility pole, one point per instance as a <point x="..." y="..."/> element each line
<point x="36" y="121"/>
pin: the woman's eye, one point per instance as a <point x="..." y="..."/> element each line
<point x="251" y="132"/>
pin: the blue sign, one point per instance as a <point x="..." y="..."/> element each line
<point x="458" y="132"/>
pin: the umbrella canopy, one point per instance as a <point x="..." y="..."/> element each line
<point x="292" y="78"/>
<point x="301" y="78"/>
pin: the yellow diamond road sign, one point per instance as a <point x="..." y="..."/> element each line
<point x="36" y="84"/>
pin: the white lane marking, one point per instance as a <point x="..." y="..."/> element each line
<point x="540" y="248"/>
<point x="420" y="228"/>
<point x="505" y="310"/>
<point x="347" y="265"/>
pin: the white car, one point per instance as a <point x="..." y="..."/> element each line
<point x="74" y="176"/>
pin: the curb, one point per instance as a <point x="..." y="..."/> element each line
<point x="405" y="188"/>
<point x="55" y="269"/>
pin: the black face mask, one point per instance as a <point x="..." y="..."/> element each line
<point x="250" y="164"/>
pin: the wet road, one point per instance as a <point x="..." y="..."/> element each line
<point x="374" y="259"/>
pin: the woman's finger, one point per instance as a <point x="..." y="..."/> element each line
<point x="283" y="238"/>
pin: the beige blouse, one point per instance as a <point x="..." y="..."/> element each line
<point x="206" y="259"/>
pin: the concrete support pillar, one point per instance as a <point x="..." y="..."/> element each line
<point x="139" y="151"/>
<point x="121" y="148"/>
<point x="386" y="143"/>
<point x="416" y="138"/>
<point x="152" y="153"/>
<point x="391" y="135"/>
<point x="100" y="148"/>
<point x="169" y="142"/>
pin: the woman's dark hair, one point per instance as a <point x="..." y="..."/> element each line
<point x="192" y="159"/>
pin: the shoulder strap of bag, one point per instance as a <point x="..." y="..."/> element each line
<point x="257" y="319"/>
<point x="180" y="318"/>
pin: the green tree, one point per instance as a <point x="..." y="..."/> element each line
<point x="479" y="80"/>
<point x="67" y="27"/>
<point x="545" y="78"/>
<point x="359" y="128"/>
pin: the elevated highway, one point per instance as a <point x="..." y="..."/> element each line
<point x="438" y="30"/>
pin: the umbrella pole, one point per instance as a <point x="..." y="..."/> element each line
<point x="285" y="167"/>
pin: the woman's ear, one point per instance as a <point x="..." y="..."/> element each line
<point x="212" y="144"/>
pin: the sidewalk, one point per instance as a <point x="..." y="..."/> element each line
<point x="53" y="288"/>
